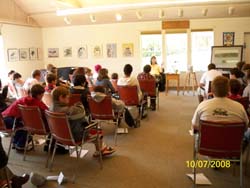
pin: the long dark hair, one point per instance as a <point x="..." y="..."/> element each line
<point x="153" y="57"/>
<point x="102" y="74"/>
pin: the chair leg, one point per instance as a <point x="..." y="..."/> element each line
<point x="194" y="158"/>
<point x="26" y="145"/>
<point x="247" y="158"/>
<point x="50" y="143"/>
<point x="53" y="156"/>
<point x="99" y="150"/>
<point x="241" y="171"/>
<point x="7" y="177"/>
<point x="11" y="142"/>
<point x="116" y="129"/>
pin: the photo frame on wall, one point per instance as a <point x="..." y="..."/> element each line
<point x="228" y="38"/>
<point x="13" y="54"/>
<point x="24" y="54"/>
<point x="33" y="53"/>
<point x="53" y="52"/>
<point x="67" y="52"/>
<point x="111" y="50"/>
<point x="128" y="50"/>
<point x="82" y="52"/>
<point x="39" y="53"/>
<point x="97" y="51"/>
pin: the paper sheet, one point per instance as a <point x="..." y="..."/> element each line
<point x="83" y="153"/>
<point x="122" y="130"/>
<point x="201" y="179"/>
<point x="39" y="141"/>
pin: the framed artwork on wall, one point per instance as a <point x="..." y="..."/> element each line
<point x="67" y="52"/>
<point x="33" y="53"/>
<point x="111" y="50"/>
<point x="97" y="51"/>
<point x="39" y="53"/>
<point x="13" y="54"/>
<point x="128" y="50"/>
<point x="228" y="38"/>
<point x="53" y="52"/>
<point x="24" y="54"/>
<point x="82" y="52"/>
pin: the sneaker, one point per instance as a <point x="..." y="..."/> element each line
<point x="18" y="181"/>
<point x="105" y="152"/>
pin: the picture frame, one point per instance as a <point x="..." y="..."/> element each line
<point x="24" y="54"/>
<point x="67" y="52"/>
<point x="228" y="38"/>
<point x="128" y="50"/>
<point x="39" y="53"/>
<point x="53" y="52"/>
<point x="33" y="53"/>
<point x="82" y="52"/>
<point x="97" y="51"/>
<point x="225" y="57"/>
<point x="13" y="54"/>
<point x="111" y="50"/>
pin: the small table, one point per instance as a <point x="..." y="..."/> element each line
<point x="172" y="77"/>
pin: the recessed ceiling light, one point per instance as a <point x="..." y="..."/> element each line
<point x="204" y="12"/>
<point x="67" y="20"/>
<point x="180" y="12"/>
<point x="231" y="10"/>
<point x="118" y="17"/>
<point x="138" y="15"/>
<point x="161" y="14"/>
<point x="92" y="18"/>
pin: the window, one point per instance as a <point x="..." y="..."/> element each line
<point x="201" y="49"/>
<point x="176" y="52"/>
<point x="151" y="45"/>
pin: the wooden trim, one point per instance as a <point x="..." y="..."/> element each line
<point x="173" y="31"/>
<point x="201" y="30"/>
<point x="184" y="24"/>
<point x="150" y="32"/>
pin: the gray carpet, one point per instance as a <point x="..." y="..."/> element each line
<point x="152" y="156"/>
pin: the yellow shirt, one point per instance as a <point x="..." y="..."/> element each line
<point x="155" y="69"/>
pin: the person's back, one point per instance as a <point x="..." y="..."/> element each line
<point x="246" y="92"/>
<point x="103" y="80"/>
<point x="36" y="75"/>
<point x="235" y="89"/>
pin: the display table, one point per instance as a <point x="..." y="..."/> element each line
<point x="173" y="77"/>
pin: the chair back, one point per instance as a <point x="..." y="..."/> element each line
<point x="221" y="139"/>
<point x="148" y="87"/>
<point x="47" y="99"/>
<point x="59" y="127"/>
<point x="32" y="119"/>
<point x="74" y="98"/>
<point x="244" y="101"/>
<point x="129" y="95"/>
<point x="101" y="110"/>
<point x="2" y="124"/>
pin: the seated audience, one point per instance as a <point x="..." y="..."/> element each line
<point x="246" y="92"/>
<point x="3" y="97"/>
<point x="114" y="80"/>
<point x="103" y="80"/>
<point x="89" y="77"/>
<point x="12" y="113"/>
<point x="11" y="89"/>
<point x="51" y="69"/>
<point x="235" y="73"/>
<point x="235" y="88"/>
<point x="77" y="118"/>
<point x="18" y="84"/>
<point x="16" y="181"/>
<point x="129" y="80"/>
<point x="145" y="75"/>
<point x="97" y="68"/>
<point x="36" y="76"/>
<point x="220" y="108"/>
<point x="50" y="82"/>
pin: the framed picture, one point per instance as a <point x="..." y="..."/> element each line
<point x="67" y="52"/>
<point x="226" y="56"/>
<point x="111" y="50"/>
<point x="128" y="50"/>
<point x="82" y="52"/>
<point x="13" y="54"/>
<point x="24" y="54"/>
<point x="33" y="53"/>
<point x="97" y="51"/>
<point x="53" y="52"/>
<point x="39" y="53"/>
<point x="228" y="38"/>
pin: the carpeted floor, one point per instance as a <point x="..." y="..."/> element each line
<point x="152" y="156"/>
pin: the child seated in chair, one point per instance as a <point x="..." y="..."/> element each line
<point x="50" y="82"/>
<point x="77" y="118"/>
<point x="235" y="88"/>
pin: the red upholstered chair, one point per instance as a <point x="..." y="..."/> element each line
<point x="150" y="89"/>
<point x="33" y="123"/>
<point x="244" y="101"/>
<point x="220" y="140"/>
<point x="74" y="98"/>
<point x="103" y="112"/>
<point x="61" y="132"/>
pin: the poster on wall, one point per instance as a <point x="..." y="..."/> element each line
<point x="97" y="51"/>
<point x="53" y="52"/>
<point x="67" y="52"/>
<point x="111" y="50"/>
<point x="24" y="54"/>
<point x="13" y="54"/>
<point x="228" y="38"/>
<point x="128" y="50"/>
<point x="39" y="53"/>
<point x="33" y="53"/>
<point x="82" y="52"/>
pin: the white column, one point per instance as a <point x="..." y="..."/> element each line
<point x="189" y="48"/>
<point x="164" y="51"/>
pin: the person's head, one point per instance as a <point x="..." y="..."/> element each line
<point x="220" y="86"/>
<point x="114" y="76"/>
<point x="37" y="91"/>
<point x="235" y="73"/>
<point x="240" y="65"/>
<point x="51" y="79"/>
<point x="99" y="89"/>
<point x="16" y="76"/>
<point x="102" y="74"/>
<point x="153" y="60"/>
<point x="88" y="71"/>
<point x="211" y="66"/>
<point x="97" y="68"/>
<point x="246" y="67"/>
<point x="79" y="80"/>
<point x="36" y="74"/>
<point x="127" y="69"/>
<point x="51" y="68"/>
<point x="78" y="71"/>
<point x="147" y="69"/>
<point x="235" y="86"/>
<point x="60" y="94"/>
<point x="10" y="74"/>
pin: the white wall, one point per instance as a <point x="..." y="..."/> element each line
<point x="21" y="37"/>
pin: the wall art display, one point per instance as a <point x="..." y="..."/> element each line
<point x="226" y="56"/>
<point x="67" y="52"/>
<point x="82" y="52"/>
<point x="97" y="51"/>
<point x="53" y="52"/>
<point x="39" y="53"/>
<point x="33" y="53"/>
<point x="13" y="54"/>
<point x="228" y="38"/>
<point x="24" y="54"/>
<point x="111" y="50"/>
<point x="128" y="50"/>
